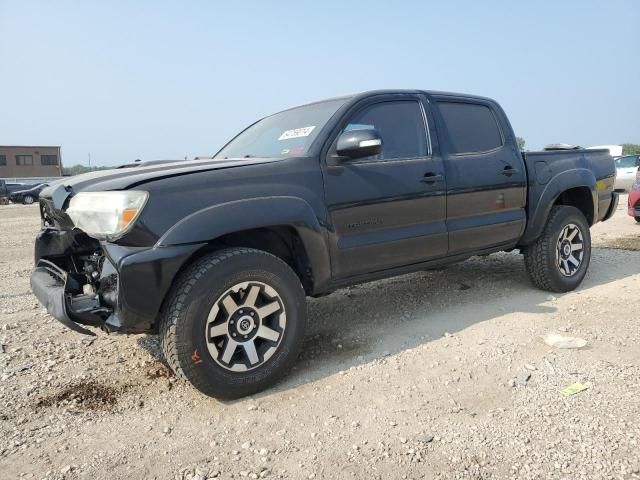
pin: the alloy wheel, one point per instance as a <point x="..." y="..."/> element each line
<point x="245" y="326"/>
<point x="569" y="250"/>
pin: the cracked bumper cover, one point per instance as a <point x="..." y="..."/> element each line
<point x="50" y="292"/>
<point x="144" y="276"/>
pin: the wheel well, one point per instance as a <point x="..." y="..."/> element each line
<point x="281" y="241"/>
<point x="579" y="197"/>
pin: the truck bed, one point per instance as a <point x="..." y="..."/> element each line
<point x="563" y="166"/>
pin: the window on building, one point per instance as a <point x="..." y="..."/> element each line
<point x="3" y="160"/>
<point x="49" y="159"/>
<point x="24" y="159"/>
<point x="472" y="127"/>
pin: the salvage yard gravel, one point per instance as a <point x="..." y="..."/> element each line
<point x="441" y="374"/>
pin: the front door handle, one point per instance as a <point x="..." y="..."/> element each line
<point x="508" y="171"/>
<point x="431" y="177"/>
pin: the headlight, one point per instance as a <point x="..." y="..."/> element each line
<point x="106" y="215"/>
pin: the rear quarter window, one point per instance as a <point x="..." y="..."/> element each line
<point x="470" y="127"/>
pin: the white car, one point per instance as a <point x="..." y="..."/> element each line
<point x="626" y="170"/>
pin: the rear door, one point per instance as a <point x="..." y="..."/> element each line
<point x="626" y="169"/>
<point x="389" y="210"/>
<point x="485" y="172"/>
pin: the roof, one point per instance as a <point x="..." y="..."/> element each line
<point x="30" y="146"/>
<point x="392" y="91"/>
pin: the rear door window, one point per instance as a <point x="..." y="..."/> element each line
<point x="471" y="127"/>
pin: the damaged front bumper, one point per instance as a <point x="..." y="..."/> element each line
<point x="85" y="283"/>
<point x="49" y="283"/>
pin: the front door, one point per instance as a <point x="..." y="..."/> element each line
<point x="388" y="210"/>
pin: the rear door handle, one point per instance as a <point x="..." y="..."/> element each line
<point x="508" y="171"/>
<point x="431" y="177"/>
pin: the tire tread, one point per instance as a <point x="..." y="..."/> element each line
<point x="537" y="256"/>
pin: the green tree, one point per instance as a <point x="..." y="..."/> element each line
<point x="630" y="149"/>
<point x="521" y="142"/>
<point x="78" y="169"/>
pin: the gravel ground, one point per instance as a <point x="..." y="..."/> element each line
<point x="438" y="374"/>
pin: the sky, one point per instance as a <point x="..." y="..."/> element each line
<point x="122" y="80"/>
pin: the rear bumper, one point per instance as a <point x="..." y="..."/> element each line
<point x="612" y="206"/>
<point x="128" y="294"/>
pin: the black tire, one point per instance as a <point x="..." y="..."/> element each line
<point x="198" y="289"/>
<point x="541" y="259"/>
<point x="27" y="200"/>
<point x="637" y="219"/>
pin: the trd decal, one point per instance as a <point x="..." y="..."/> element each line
<point x="364" y="223"/>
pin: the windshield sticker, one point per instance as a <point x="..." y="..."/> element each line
<point x="296" y="150"/>
<point x="296" y="133"/>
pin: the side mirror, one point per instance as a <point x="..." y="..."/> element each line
<point x="359" y="143"/>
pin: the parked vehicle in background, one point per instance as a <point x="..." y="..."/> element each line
<point x="626" y="170"/>
<point x="28" y="195"/>
<point x="7" y="189"/>
<point x="614" y="150"/>
<point x="218" y="255"/>
<point x="634" y="199"/>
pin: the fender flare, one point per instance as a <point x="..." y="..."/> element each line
<point x="574" y="178"/>
<point x="215" y="221"/>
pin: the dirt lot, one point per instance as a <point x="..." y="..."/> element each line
<point x="439" y="374"/>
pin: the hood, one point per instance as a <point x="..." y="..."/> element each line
<point x="125" y="178"/>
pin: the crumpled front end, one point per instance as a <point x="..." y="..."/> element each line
<point x="84" y="282"/>
<point x="74" y="280"/>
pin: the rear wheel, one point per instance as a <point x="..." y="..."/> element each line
<point x="637" y="219"/>
<point x="27" y="200"/>
<point x="559" y="259"/>
<point x="234" y="322"/>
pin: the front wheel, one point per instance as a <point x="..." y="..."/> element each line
<point x="559" y="259"/>
<point x="637" y="219"/>
<point x="234" y="322"/>
<point x="27" y="200"/>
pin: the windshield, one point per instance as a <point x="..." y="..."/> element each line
<point x="626" y="162"/>
<point x="285" y="134"/>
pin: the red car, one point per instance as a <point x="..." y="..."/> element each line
<point x="634" y="199"/>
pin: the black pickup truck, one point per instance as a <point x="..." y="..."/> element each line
<point x="217" y="256"/>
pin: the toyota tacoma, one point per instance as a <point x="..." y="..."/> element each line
<point x="217" y="256"/>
